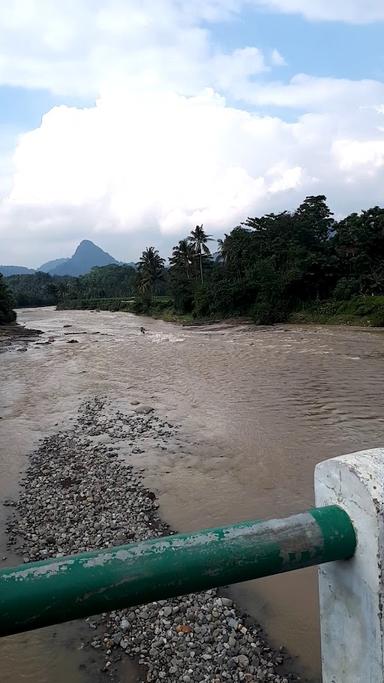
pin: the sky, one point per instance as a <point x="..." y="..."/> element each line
<point x="128" y="122"/>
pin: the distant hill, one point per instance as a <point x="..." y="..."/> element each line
<point x="86" y="256"/>
<point x="51" y="265"/>
<point x="15" y="270"/>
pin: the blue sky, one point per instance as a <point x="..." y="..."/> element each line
<point x="325" y="48"/>
<point x="131" y="121"/>
<point x="23" y="108"/>
<point x="330" y="48"/>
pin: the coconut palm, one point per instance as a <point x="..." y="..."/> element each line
<point x="198" y="240"/>
<point x="223" y="248"/>
<point x="150" y="269"/>
<point x="182" y="257"/>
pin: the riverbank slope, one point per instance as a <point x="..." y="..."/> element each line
<point x="366" y="311"/>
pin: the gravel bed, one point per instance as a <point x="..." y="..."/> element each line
<point x="77" y="495"/>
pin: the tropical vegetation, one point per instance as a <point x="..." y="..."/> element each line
<point x="42" y="289"/>
<point x="7" y="314"/>
<point x="150" y="275"/>
<point x="301" y="265"/>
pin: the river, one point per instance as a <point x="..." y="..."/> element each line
<point x="257" y="409"/>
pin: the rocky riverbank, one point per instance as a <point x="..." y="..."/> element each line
<point x="14" y="335"/>
<point x="78" y="495"/>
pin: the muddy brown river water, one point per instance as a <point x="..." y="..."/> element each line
<point x="258" y="408"/>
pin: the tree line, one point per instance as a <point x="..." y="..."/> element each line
<point x="7" y="315"/>
<point x="272" y="265"/>
<point x="266" y="267"/>
<point x="42" y="289"/>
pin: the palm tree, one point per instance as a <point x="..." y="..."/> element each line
<point x="223" y="247"/>
<point x="182" y="257"/>
<point x="198" y="240"/>
<point x="150" y="269"/>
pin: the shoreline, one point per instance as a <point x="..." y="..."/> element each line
<point x="300" y="318"/>
<point x="363" y="310"/>
<point x="78" y="494"/>
<point x="17" y="335"/>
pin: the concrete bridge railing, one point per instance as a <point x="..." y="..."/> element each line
<point x="344" y="534"/>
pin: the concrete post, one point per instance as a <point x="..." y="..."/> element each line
<point x="352" y="591"/>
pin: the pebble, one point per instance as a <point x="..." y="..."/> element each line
<point x="144" y="410"/>
<point x="76" y="498"/>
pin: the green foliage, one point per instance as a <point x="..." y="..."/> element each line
<point x="346" y="288"/>
<point x="202" y="305"/>
<point x="360" y="310"/>
<point x="38" y="289"/>
<point x="109" y="281"/>
<point x="42" y="289"/>
<point x="102" y="282"/>
<point x="273" y="265"/>
<point x="112" y="304"/>
<point x="298" y="265"/>
<point x="150" y="273"/>
<point x="183" y="273"/>
<point x="7" y="314"/>
<point x="198" y="240"/>
<point x="359" y="245"/>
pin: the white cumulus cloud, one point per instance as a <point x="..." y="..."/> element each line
<point x="177" y="133"/>
<point x="353" y="11"/>
<point x="164" y="162"/>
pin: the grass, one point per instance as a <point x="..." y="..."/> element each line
<point x="162" y="308"/>
<point x="102" y="304"/>
<point x="366" y="311"/>
<point x="169" y="315"/>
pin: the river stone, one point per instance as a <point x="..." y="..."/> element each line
<point x="76" y="498"/>
<point x="243" y="661"/>
<point x="8" y="502"/>
<point x="144" y="410"/>
<point x="102" y="438"/>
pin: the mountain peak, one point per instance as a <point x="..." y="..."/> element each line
<point x="86" y="243"/>
<point x="87" y="246"/>
<point x="87" y="255"/>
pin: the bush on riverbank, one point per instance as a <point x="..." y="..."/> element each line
<point x="161" y="307"/>
<point x="361" y="310"/>
<point x="101" y="304"/>
<point x="39" y="289"/>
<point x="7" y="314"/>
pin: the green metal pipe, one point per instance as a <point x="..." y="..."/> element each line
<point x="56" y="590"/>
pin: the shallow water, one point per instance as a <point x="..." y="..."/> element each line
<point x="258" y="408"/>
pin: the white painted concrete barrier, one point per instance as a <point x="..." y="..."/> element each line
<point x="352" y="591"/>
